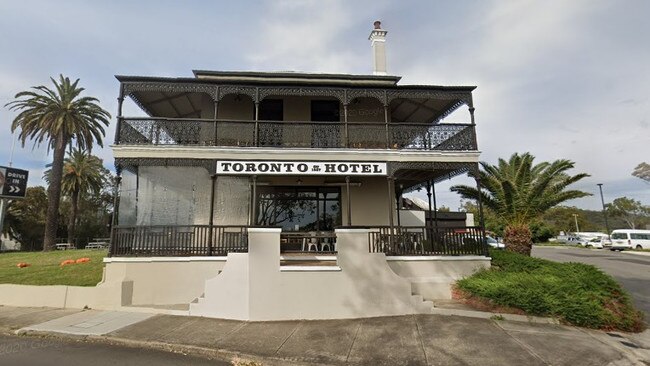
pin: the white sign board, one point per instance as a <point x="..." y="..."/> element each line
<point x="240" y="167"/>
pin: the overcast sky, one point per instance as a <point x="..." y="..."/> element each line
<point x="560" y="79"/>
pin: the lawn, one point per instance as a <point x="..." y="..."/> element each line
<point x="575" y="293"/>
<point x="45" y="269"/>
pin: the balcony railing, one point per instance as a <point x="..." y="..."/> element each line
<point x="284" y="134"/>
<point x="178" y="240"/>
<point x="447" y="241"/>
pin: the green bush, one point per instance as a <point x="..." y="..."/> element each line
<point x="575" y="293"/>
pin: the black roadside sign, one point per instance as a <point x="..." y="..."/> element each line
<point x="13" y="182"/>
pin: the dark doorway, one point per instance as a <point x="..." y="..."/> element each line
<point x="270" y="134"/>
<point x="326" y="134"/>
<point x="271" y="110"/>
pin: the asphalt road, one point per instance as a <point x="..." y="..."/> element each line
<point x="631" y="270"/>
<point x="29" y="351"/>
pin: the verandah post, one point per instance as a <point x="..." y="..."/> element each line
<point x="480" y="212"/>
<point x="347" y="192"/>
<point x="118" y="127"/>
<point x="253" y="200"/>
<point x="435" y="212"/>
<point x="211" y="228"/>
<point x="257" y="117"/>
<point x="386" y="119"/>
<point x="216" y="115"/>
<point x="398" y="199"/>
<point x="429" y="215"/>
<point x="116" y="211"/>
<point x="390" y="211"/>
<point x="345" y="121"/>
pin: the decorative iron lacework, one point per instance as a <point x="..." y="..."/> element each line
<point x="452" y="169"/>
<point x="148" y="131"/>
<point x="345" y="95"/>
<point x="378" y="94"/>
<point x="454" y="137"/>
<point x="189" y="132"/>
<point x="236" y="89"/>
<point x="465" y="97"/>
<point x="131" y="163"/>
<point x="303" y="91"/>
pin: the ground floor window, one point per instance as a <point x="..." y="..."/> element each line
<point x="299" y="208"/>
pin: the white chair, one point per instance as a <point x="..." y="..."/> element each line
<point x="326" y="243"/>
<point x="310" y="242"/>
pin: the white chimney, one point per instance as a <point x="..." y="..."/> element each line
<point x="378" y="41"/>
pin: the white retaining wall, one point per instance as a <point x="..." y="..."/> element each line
<point x="253" y="285"/>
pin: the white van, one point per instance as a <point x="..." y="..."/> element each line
<point x="630" y="239"/>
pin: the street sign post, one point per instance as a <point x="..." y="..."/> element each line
<point x="13" y="182"/>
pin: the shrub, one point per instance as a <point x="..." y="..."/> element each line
<point x="576" y="293"/>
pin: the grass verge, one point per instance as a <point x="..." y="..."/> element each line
<point x="575" y="293"/>
<point x="45" y="269"/>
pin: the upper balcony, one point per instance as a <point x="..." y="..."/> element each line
<point x="285" y="134"/>
<point x="293" y="110"/>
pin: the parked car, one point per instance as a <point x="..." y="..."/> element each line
<point x="607" y="243"/>
<point x="598" y="243"/>
<point x="630" y="239"/>
<point x="575" y="240"/>
<point x="494" y="243"/>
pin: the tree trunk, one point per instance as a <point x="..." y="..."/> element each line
<point x="72" y="221"/>
<point x="54" y="194"/>
<point x="518" y="239"/>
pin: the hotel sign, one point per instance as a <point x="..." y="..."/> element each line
<point x="238" y="167"/>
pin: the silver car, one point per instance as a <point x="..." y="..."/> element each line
<point x="494" y="243"/>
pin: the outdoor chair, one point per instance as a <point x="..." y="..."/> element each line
<point x="326" y="243"/>
<point x="310" y="242"/>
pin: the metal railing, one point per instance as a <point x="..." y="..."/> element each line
<point x="285" y="134"/>
<point x="446" y="241"/>
<point x="172" y="240"/>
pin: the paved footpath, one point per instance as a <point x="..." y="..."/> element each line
<point x="404" y="340"/>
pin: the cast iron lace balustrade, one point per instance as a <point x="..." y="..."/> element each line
<point x="286" y="134"/>
<point x="178" y="240"/>
<point x="426" y="241"/>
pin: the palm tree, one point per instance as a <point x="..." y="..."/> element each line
<point x="58" y="117"/>
<point x="519" y="192"/>
<point x="82" y="174"/>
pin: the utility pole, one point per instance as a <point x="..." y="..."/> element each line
<point x="602" y="200"/>
<point x="575" y="217"/>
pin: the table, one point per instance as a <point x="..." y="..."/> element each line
<point x="64" y="246"/>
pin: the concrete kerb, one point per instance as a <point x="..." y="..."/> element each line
<point x="210" y="353"/>
<point x="494" y="316"/>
